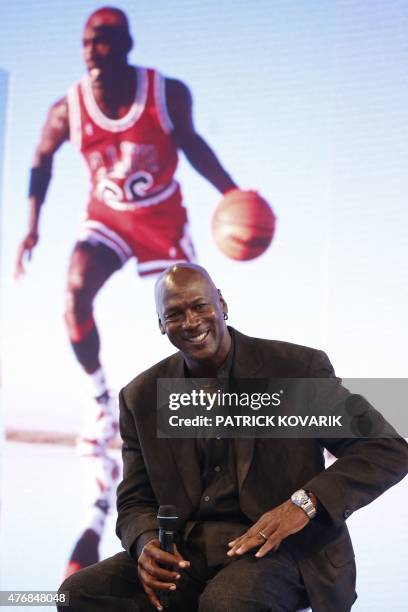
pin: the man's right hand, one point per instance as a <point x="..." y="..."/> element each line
<point x="152" y="573"/>
<point x="25" y="252"/>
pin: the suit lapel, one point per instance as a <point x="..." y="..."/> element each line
<point x="247" y="363"/>
<point x="181" y="457"/>
<point x="185" y="460"/>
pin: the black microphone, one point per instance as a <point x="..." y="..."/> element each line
<point x="167" y="518"/>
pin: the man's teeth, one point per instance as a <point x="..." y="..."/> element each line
<point x="198" y="338"/>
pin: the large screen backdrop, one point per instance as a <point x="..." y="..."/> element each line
<point x="305" y="102"/>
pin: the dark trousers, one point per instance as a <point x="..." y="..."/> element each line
<point x="246" y="584"/>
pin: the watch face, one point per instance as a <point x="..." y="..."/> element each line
<point x="299" y="498"/>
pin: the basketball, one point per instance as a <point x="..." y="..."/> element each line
<point x="243" y="225"/>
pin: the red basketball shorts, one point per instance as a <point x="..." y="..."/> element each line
<point x="156" y="235"/>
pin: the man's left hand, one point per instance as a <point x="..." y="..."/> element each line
<point x="275" y="525"/>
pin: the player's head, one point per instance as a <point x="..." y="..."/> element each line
<point x="192" y="313"/>
<point x="106" y="39"/>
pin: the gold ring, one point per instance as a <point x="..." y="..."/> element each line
<point x="261" y="533"/>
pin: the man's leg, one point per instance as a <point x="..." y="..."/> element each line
<point x="113" y="585"/>
<point x="89" y="268"/>
<point x="110" y="585"/>
<point x="270" y="584"/>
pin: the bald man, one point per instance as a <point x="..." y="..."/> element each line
<point x="261" y="522"/>
<point x="129" y="123"/>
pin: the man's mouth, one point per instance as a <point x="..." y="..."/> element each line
<point x="94" y="72"/>
<point x="198" y="338"/>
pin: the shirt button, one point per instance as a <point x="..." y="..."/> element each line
<point x="217" y="468"/>
<point x="207" y="498"/>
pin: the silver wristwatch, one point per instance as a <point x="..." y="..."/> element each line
<point x="300" y="498"/>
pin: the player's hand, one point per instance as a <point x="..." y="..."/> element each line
<point x="153" y="576"/>
<point x="24" y="252"/>
<point x="276" y="525"/>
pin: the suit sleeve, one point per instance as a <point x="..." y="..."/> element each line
<point x="366" y="467"/>
<point x="136" y="504"/>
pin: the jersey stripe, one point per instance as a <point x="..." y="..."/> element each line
<point x="135" y="111"/>
<point x="74" y="116"/>
<point x="95" y="231"/>
<point x="161" y="105"/>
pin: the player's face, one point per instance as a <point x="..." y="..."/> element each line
<point x="191" y="313"/>
<point x="102" y="47"/>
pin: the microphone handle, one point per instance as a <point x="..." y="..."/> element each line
<point x="166" y="539"/>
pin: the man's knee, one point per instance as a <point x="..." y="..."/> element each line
<point x="70" y="591"/>
<point x="78" y="300"/>
<point x="219" y="599"/>
<point x="111" y="584"/>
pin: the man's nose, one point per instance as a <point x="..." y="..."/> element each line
<point x="191" y="319"/>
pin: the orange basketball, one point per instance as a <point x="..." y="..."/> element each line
<point x="243" y="225"/>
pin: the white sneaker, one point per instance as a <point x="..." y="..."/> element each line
<point x="99" y="425"/>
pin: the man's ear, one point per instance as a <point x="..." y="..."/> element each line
<point x="162" y="330"/>
<point x="224" y="304"/>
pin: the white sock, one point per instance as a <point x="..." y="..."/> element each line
<point x="95" y="519"/>
<point x="97" y="382"/>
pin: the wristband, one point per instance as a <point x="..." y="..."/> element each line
<point x="39" y="181"/>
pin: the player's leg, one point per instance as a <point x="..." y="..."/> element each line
<point x="90" y="267"/>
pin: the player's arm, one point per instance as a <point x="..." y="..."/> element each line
<point x="197" y="151"/>
<point x="55" y="131"/>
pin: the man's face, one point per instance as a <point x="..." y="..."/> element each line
<point x="103" y="47"/>
<point x="191" y="313"/>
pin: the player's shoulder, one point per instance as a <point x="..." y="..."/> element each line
<point x="177" y="88"/>
<point x="59" y="108"/>
<point x="145" y="382"/>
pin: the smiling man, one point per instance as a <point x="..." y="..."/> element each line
<point x="262" y="522"/>
<point x="192" y="312"/>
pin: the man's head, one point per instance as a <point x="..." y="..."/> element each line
<point x="192" y="313"/>
<point x="106" y="39"/>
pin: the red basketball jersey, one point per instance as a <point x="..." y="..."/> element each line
<point x="132" y="160"/>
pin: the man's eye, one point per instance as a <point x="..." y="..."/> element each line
<point x="200" y="306"/>
<point x="172" y="316"/>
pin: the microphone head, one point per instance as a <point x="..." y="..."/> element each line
<point x="167" y="517"/>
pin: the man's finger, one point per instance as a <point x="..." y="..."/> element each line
<point x="176" y="553"/>
<point x="244" y="546"/>
<point x="158" y="572"/>
<point x="154" y="600"/>
<point x="236" y="541"/>
<point x="156" y="585"/>
<point x="164" y="557"/>
<point x="272" y="543"/>
<point x="19" y="266"/>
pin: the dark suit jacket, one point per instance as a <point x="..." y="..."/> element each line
<point x="165" y="471"/>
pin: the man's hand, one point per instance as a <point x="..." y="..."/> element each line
<point x="25" y="252"/>
<point x="153" y="576"/>
<point x="275" y="525"/>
